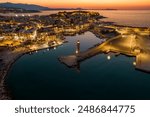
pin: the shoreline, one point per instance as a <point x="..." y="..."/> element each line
<point x="4" y="95"/>
<point x="3" y="76"/>
<point x="6" y="68"/>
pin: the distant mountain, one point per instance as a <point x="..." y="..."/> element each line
<point x="109" y="9"/>
<point x="23" y="6"/>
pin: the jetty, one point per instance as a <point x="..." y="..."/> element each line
<point x="134" y="45"/>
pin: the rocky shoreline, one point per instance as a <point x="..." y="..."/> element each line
<point x="4" y="94"/>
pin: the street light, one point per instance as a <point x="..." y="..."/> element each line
<point x="134" y="63"/>
<point x="108" y="57"/>
<point x="77" y="51"/>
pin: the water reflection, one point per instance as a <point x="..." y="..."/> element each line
<point x="138" y="18"/>
<point x="49" y="79"/>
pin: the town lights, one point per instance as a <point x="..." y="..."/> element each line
<point x="134" y="63"/>
<point x="54" y="42"/>
<point x="59" y="43"/>
<point x="108" y="57"/>
<point x="77" y="51"/>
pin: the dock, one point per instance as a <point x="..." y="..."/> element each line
<point x="130" y="45"/>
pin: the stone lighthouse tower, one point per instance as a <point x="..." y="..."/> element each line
<point x="78" y="47"/>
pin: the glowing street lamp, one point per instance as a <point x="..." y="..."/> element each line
<point x="134" y="63"/>
<point x="77" y="51"/>
<point x="108" y="57"/>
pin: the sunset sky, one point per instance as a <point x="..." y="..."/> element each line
<point x="100" y="4"/>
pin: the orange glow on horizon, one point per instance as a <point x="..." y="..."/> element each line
<point x="95" y="4"/>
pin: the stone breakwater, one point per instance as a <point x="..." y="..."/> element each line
<point x="131" y="43"/>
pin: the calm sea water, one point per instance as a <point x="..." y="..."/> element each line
<point x="139" y="18"/>
<point x="42" y="76"/>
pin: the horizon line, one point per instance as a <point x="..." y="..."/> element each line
<point x="78" y="7"/>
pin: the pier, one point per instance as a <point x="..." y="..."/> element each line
<point x="131" y="45"/>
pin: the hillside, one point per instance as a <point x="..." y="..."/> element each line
<point x="23" y="6"/>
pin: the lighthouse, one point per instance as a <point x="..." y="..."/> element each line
<point x="78" y="47"/>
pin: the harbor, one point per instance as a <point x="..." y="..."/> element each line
<point x="130" y="44"/>
<point x="111" y="72"/>
<point x="91" y="43"/>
